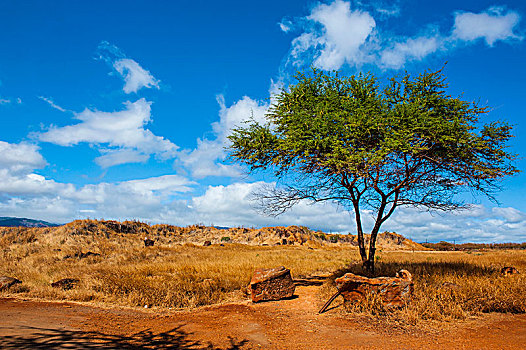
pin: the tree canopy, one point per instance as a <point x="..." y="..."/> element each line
<point x="347" y="139"/>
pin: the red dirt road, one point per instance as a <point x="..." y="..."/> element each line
<point x="286" y="324"/>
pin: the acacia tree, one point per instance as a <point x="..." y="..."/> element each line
<point x="347" y="139"/>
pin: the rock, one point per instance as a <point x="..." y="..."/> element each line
<point x="394" y="291"/>
<point x="271" y="284"/>
<point x="6" y="282"/>
<point x="148" y="242"/>
<point x="509" y="270"/>
<point x="81" y="255"/>
<point x="207" y="243"/>
<point x="85" y="255"/>
<point x="65" y="283"/>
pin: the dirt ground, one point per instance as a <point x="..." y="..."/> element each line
<point x="285" y="324"/>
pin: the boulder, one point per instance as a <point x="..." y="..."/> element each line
<point x="148" y="242"/>
<point x="394" y="291"/>
<point x="6" y="282"/>
<point x="65" y="283"/>
<point x="509" y="270"/>
<point x="207" y="244"/>
<point x="271" y="284"/>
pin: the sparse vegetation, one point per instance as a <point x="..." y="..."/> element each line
<point x="448" y="286"/>
<point x="177" y="274"/>
<point x="448" y="246"/>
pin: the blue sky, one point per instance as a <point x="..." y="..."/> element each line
<point x="120" y="110"/>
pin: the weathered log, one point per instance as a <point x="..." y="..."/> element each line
<point x="394" y="291"/>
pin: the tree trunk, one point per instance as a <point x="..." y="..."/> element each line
<point x="369" y="265"/>
<point x="359" y="231"/>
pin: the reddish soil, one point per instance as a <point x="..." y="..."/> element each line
<point x="285" y="324"/>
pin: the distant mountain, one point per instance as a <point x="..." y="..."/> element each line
<point x="7" y="221"/>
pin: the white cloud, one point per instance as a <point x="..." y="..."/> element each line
<point x="340" y="40"/>
<point x="20" y="157"/>
<point x="205" y="159"/>
<point x="492" y="25"/>
<point x="409" y="49"/>
<point x="114" y="157"/>
<point x="135" y="77"/>
<point x="29" y="184"/>
<point x="388" y="9"/>
<point x="17" y="163"/>
<point x="27" y="194"/>
<point x="51" y="103"/>
<point x="123" y="131"/>
<point x="285" y="25"/>
<point x="511" y="215"/>
<point x="231" y="206"/>
<point x="4" y="101"/>
<point x="334" y="35"/>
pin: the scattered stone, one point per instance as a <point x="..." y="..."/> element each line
<point x="148" y="242"/>
<point x="271" y="284"/>
<point x="394" y="291"/>
<point x="509" y="270"/>
<point x="85" y="255"/>
<point x="207" y="243"/>
<point x="6" y="282"/>
<point x="81" y="255"/>
<point x="65" y="283"/>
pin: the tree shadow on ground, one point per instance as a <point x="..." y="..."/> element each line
<point x="42" y="338"/>
<point x="421" y="268"/>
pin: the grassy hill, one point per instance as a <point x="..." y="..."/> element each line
<point x="198" y="234"/>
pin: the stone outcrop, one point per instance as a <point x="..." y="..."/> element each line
<point x="65" y="283"/>
<point x="6" y="282"/>
<point x="271" y="284"/>
<point x="509" y="270"/>
<point x="394" y="291"/>
<point x="148" y="242"/>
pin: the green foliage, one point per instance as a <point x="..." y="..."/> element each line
<point x="349" y="140"/>
<point x="333" y="239"/>
<point x="321" y="236"/>
<point x="225" y="239"/>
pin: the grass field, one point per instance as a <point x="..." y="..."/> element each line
<point x="173" y="275"/>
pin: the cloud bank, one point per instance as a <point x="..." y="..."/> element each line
<point x="173" y="199"/>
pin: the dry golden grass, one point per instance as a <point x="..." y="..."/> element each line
<point x="448" y="285"/>
<point x="173" y="274"/>
<point x="126" y="272"/>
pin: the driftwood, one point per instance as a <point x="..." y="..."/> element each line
<point x="324" y="307"/>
